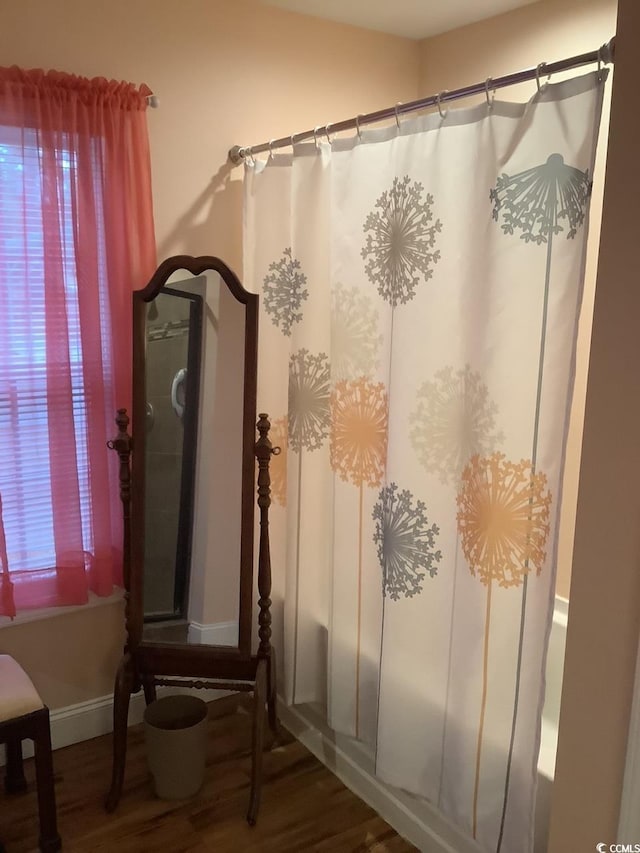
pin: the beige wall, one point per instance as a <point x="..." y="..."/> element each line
<point x="226" y="73"/>
<point x="544" y="32"/>
<point x="71" y="657"/>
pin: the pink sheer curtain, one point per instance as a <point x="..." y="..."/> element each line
<point x="76" y="237"/>
<point x="7" y="604"/>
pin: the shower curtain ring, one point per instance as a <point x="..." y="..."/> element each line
<point x="538" y="67"/>
<point x="326" y="132"/>
<point x="358" y="131"/>
<point x="271" y="141"/>
<point x="395" y="109"/>
<point x="487" y="84"/>
<point x="315" y="134"/>
<point x="438" y="98"/>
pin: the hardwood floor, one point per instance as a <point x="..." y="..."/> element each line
<point x="304" y="806"/>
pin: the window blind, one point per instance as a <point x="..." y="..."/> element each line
<point x="33" y="385"/>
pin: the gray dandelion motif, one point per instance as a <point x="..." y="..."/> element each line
<point x="354" y="334"/>
<point x="309" y="394"/>
<point x="453" y="420"/>
<point x="309" y="422"/>
<point x="540" y="203"/>
<point x="284" y="291"/>
<point x="537" y="200"/>
<point x="406" y="542"/>
<point x="399" y="249"/>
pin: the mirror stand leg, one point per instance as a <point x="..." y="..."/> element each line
<point x="259" y="701"/>
<point x="272" y="694"/>
<point x="149" y="687"/>
<point x="121" y="696"/>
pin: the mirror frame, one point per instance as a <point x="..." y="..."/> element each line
<point x="196" y="266"/>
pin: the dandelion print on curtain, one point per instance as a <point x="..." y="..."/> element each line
<point x="420" y="287"/>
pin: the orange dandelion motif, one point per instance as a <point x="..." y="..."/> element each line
<point x="278" y="465"/>
<point x="358" y="450"/>
<point x="359" y="420"/>
<point x="503" y="519"/>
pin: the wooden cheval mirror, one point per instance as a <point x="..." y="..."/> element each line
<point x="188" y="501"/>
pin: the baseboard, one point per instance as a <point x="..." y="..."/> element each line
<point x="94" y="718"/>
<point x="214" y="634"/>
<point x="414" y="819"/>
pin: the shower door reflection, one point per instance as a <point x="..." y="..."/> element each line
<point x="172" y="370"/>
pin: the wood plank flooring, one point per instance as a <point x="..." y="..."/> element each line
<point x="304" y="806"/>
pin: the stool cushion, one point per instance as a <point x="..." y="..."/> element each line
<point x="18" y="696"/>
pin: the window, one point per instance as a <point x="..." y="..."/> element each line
<point x="30" y="384"/>
<point x="76" y="236"/>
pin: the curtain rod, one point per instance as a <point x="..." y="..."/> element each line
<point x="603" y="55"/>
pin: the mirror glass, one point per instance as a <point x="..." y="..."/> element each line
<point x="194" y="405"/>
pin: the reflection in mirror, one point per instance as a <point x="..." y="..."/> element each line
<point x="194" y="377"/>
<point x="172" y="367"/>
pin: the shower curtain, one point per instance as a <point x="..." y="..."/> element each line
<point x="420" y="288"/>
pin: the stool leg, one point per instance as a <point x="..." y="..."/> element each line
<point x="49" y="838"/>
<point x="14" y="781"/>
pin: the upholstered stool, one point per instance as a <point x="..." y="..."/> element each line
<point x="23" y="715"/>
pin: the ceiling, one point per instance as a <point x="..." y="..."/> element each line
<point x="415" y="19"/>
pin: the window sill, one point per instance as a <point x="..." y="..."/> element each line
<point x="51" y="612"/>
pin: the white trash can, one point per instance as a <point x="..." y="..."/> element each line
<point x="175" y="729"/>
